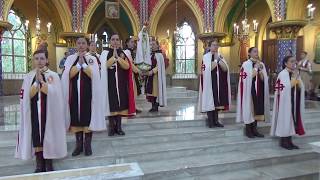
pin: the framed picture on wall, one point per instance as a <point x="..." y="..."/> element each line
<point x="112" y="9"/>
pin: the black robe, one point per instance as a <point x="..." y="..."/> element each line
<point x="258" y="96"/>
<point x="85" y="99"/>
<point x="149" y="80"/>
<point x="221" y="102"/>
<point x="37" y="137"/>
<point x="118" y="102"/>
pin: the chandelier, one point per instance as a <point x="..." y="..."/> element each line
<point x="38" y="24"/>
<point x="243" y="32"/>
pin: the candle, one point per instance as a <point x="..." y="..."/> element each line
<point x="312" y="12"/>
<point x="168" y="32"/>
<point x="27" y="24"/>
<point x="237" y="30"/>
<point x="49" y="27"/>
<point x="234" y="27"/>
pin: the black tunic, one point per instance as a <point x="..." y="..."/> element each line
<point x="149" y="79"/>
<point x="37" y="137"/>
<point x="85" y="99"/>
<point x="115" y="104"/>
<point x="295" y="111"/>
<point x="257" y="95"/>
<point x="221" y="101"/>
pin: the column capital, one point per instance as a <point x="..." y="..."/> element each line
<point x="71" y="38"/>
<point x="207" y="37"/>
<point x="287" y="29"/>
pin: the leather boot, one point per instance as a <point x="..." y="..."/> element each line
<point x="118" y="129"/>
<point x="79" y="144"/>
<point x="87" y="144"/>
<point x="111" y="126"/>
<point x="40" y="164"/>
<point x="255" y="130"/>
<point x="284" y="143"/>
<point x="49" y="165"/>
<point x="154" y="108"/>
<point x="215" y="118"/>
<point x="291" y="143"/>
<point x="210" y="120"/>
<point x="248" y="130"/>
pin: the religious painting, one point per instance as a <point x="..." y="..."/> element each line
<point x="317" y="53"/>
<point x="112" y="10"/>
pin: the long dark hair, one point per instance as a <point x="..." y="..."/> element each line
<point x="285" y="60"/>
<point x="126" y="43"/>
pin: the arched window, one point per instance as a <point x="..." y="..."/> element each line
<point x="185" y="52"/>
<point x="14" y="50"/>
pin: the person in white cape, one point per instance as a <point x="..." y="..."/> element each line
<point x="83" y="97"/>
<point x="155" y="86"/>
<point x="136" y="72"/>
<point x="305" y="68"/>
<point x="42" y="123"/>
<point x="253" y="94"/>
<point x="214" y="88"/>
<point x="118" y="82"/>
<point x="288" y="107"/>
<point x="93" y="52"/>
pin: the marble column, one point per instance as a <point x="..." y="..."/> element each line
<point x="286" y="33"/>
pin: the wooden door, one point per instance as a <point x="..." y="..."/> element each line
<point x="269" y="54"/>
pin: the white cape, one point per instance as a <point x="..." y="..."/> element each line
<point x="54" y="143"/>
<point x="206" y="101"/>
<point x="282" y="122"/>
<point x="162" y="96"/>
<point x="143" y="49"/>
<point x="244" y="108"/>
<point x="98" y="122"/>
<point x="104" y="82"/>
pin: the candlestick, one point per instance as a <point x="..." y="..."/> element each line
<point x="49" y="27"/>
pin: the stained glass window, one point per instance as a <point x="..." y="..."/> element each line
<point x="185" y="50"/>
<point x="13" y="49"/>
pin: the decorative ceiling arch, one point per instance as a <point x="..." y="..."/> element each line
<point x="127" y="6"/>
<point x="223" y="9"/>
<point x="162" y="4"/>
<point x="62" y="7"/>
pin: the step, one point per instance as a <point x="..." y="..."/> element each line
<point x="106" y="153"/>
<point x="163" y="130"/>
<point x="303" y="170"/>
<point x="222" y="162"/>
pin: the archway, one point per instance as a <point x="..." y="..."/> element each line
<point x="60" y="6"/>
<point x="224" y="8"/>
<point x="162" y="5"/>
<point x="125" y="5"/>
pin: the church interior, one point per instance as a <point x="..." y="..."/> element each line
<point x="172" y="143"/>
